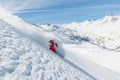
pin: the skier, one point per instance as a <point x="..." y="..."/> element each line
<point x="53" y="45"/>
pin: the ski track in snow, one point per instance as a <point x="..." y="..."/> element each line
<point x="21" y="58"/>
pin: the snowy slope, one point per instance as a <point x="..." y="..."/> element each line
<point x="31" y="31"/>
<point x="104" y="31"/>
<point x="24" y="58"/>
<point x="26" y="54"/>
<point x="107" y="58"/>
<point x="101" y="63"/>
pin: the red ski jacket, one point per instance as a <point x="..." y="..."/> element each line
<point x="53" y="46"/>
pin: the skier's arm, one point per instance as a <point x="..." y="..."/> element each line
<point x="56" y="44"/>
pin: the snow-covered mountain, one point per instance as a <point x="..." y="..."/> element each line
<point x="22" y="57"/>
<point x="25" y="54"/>
<point x="104" y="31"/>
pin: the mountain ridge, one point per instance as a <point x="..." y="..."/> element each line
<point x="103" y="32"/>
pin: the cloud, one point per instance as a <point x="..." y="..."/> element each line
<point x="25" y="6"/>
<point x="17" y="5"/>
<point x="85" y="8"/>
<point x="104" y="6"/>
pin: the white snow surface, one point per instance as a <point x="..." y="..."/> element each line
<point x="101" y="64"/>
<point x="25" y="54"/>
<point x="22" y="57"/>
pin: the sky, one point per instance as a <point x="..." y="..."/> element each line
<point x="60" y="11"/>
